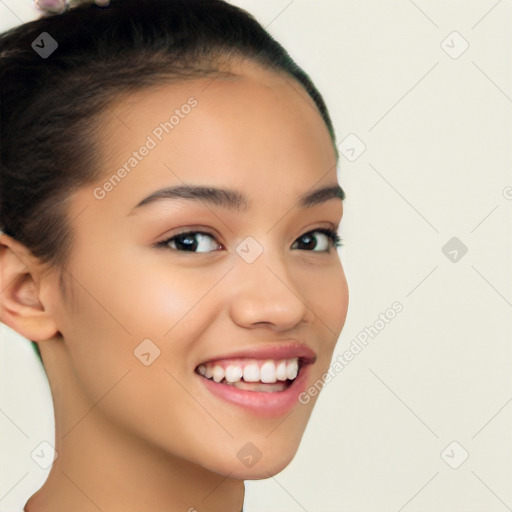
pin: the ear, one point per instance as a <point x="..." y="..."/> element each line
<point x="21" y="280"/>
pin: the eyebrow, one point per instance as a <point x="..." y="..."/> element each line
<point x="233" y="199"/>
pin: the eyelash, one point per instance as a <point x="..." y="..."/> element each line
<point x="336" y="240"/>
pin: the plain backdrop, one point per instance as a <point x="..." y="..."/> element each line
<point x="420" y="93"/>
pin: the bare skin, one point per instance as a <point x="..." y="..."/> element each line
<point x="132" y="437"/>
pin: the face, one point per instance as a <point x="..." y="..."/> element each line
<point x="168" y="293"/>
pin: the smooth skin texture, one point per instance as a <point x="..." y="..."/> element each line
<point x="132" y="437"/>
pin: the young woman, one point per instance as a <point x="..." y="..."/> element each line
<point x="169" y="208"/>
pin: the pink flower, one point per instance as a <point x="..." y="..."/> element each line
<point x="51" y="6"/>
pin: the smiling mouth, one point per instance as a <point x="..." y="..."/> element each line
<point x="267" y="375"/>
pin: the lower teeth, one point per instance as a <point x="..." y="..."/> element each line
<point x="258" y="386"/>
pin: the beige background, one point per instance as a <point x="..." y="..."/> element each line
<point x="436" y="122"/>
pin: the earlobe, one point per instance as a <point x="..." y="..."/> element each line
<point x="20" y="285"/>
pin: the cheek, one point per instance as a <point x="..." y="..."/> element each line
<point x="110" y="324"/>
<point x="141" y="300"/>
<point x="108" y="319"/>
<point x="339" y="306"/>
<point x="326" y="294"/>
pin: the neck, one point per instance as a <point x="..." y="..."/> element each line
<point x="103" y="467"/>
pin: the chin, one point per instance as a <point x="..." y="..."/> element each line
<point x="260" y="471"/>
<point x="257" y="461"/>
<point x="267" y="470"/>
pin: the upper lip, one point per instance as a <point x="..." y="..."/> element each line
<point x="276" y="351"/>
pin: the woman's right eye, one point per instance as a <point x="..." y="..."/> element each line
<point x="191" y="241"/>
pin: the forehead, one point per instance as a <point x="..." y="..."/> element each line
<point x="249" y="129"/>
<point x="244" y="99"/>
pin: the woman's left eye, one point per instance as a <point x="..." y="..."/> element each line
<point x="197" y="241"/>
<point x="333" y="239"/>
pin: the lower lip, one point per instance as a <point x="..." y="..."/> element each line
<point x="261" y="403"/>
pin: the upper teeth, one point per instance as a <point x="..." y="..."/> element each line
<point x="251" y="370"/>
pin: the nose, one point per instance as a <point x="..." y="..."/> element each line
<point x="266" y="294"/>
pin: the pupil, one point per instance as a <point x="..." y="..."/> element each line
<point x="310" y="241"/>
<point x="187" y="242"/>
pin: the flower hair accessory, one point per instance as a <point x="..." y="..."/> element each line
<point x="60" y="6"/>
